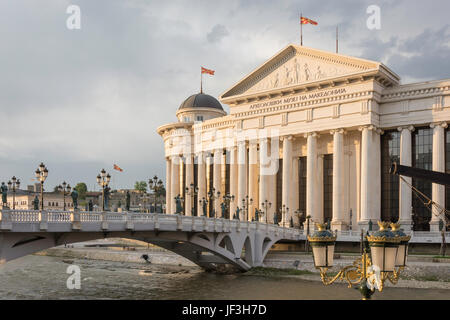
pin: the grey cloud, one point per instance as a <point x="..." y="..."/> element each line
<point x="82" y="100"/>
<point x="217" y="33"/>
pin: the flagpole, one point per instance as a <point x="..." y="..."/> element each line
<point x="337" y="40"/>
<point x="201" y="80"/>
<point x="301" y="29"/>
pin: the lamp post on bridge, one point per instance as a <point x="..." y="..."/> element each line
<point x="155" y="185"/>
<point x="14" y="185"/>
<point x="41" y="175"/>
<point x="245" y="203"/>
<point x="227" y="199"/>
<point x="65" y="189"/>
<point x="266" y="205"/>
<point x="212" y="196"/>
<point x="192" y="191"/>
<point x="103" y="180"/>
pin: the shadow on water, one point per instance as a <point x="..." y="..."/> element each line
<point x="39" y="277"/>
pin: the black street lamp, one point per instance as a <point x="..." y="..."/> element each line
<point x="42" y="174"/>
<point x="192" y="191"/>
<point x="65" y="189"/>
<point x="14" y="185"/>
<point x="155" y="185"/>
<point x="227" y="198"/>
<point x="266" y="205"/>
<point x="245" y="203"/>
<point x="103" y="180"/>
<point x="212" y="196"/>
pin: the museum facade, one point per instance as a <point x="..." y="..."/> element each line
<point x="312" y="134"/>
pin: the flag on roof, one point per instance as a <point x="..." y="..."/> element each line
<point x="116" y="167"/>
<point x="211" y="72"/>
<point x="304" y="20"/>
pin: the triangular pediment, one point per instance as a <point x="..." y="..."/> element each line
<point x="297" y="65"/>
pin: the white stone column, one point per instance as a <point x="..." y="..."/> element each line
<point x="217" y="180"/>
<point x="201" y="181"/>
<point x="438" y="190"/>
<point x="168" y="183"/>
<point x="405" y="192"/>
<point x="242" y="176"/>
<point x="233" y="180"/>
<point x="263" y="177"/>
<point x="370" y="176"/>
<point x="189" y="180"/>
<point x="175" y="182"/>
<point x="253" y="170"/>
<point x="287" y="179"/>
<point x="338" y="221"/>
<point x="311" y="171"/>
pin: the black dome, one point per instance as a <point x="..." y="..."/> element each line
<point x="201" y="100"/>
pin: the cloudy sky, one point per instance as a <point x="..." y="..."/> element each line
<point x="81" y="100"/>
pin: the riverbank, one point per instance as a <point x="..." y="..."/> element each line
<point x="420" y="273"/>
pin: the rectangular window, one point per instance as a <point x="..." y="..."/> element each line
<point x="422" y="153"/>
<point x="199" y="118"/>
<point x="390" y="152"/>
<point x="327" y="187"/>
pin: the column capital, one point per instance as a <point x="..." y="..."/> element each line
<point x="253" y="143"/>
<point x="371" y="127"/>
<point x="340" y="130"/>
<point x="312" y="134"/>
<point x="410" y="128"/>
<point x="438" y="124"/>
<point x="288" y="137"/>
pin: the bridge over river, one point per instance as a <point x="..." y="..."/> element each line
<point x="208" y="242"/>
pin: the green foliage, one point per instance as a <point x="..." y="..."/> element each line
<point x="81" y="189"/>
<point x="140" y="186"/>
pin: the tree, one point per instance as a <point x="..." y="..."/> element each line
<point x="140" y="186"/>
<point x="81" y="189"/>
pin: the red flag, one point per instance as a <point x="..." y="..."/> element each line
<point x="116" y="167"/>
<point x="211" y="72"/>
<point x="304" y="20"/>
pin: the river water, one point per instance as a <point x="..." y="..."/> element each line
<point x="41" y="277"/>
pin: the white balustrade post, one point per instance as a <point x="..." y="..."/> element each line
<point x="43" y="220"/>
<point x="104" y="221"/>
<point x="75" y="218"/>
<point x="5" y="220"/>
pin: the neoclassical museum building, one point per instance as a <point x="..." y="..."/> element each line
<point x="311" y="134"/>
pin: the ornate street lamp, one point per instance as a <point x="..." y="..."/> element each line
<point x="245" y="203"/>
<point x="384" y="262"/>
<point x="65" y="189"/>
<point x="266" y="205"/>
<point x="179" y="200"/>
<point x="103" y="180"/>
<point x="13" y="185"/>
<point x="42" y="174"/>
<point x="192" y="191"/>
<point x="156" y="185"/>
<point x="212" y="196"/>
<point x="227" y="199"/>
<point x="203" y="203"/>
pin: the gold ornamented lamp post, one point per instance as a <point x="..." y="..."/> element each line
<point x="388" y="253"/>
